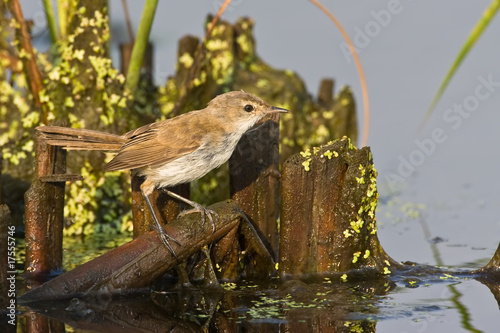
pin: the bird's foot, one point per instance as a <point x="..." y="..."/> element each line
<point x="205" y="212"/>
<point x="165" y="238"/>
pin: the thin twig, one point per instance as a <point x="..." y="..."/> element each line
<point x="362" y="80"/>
<point x="128" y="21"/>
<point x="31" y="68"/>
<point x="216" y="18"/>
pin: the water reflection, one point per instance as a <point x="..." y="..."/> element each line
<point x="292" y="306"/>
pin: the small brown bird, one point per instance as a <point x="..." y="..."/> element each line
<point x="173" y="151"/>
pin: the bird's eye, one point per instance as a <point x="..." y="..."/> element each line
<point x="248" y="108"/>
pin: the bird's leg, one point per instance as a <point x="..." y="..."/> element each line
<point x="196" y="208"/>
<point x="159" y="229"/>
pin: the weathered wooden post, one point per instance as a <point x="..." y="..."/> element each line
<point x="254" y="185"/>
<point x="44" y="212"/>
<point x="140" y="220"/>
<point x="254" y="179"/>
<point x="329" y="196"/>
<point x="44" y="209"/>
<point x="325" y="93"/>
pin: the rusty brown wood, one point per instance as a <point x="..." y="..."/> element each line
<point x="254" y="184"/>
<point x="325" y="93"/>
<point x="140" y="262"/>
<point x="140" y="215"/>
<point x="226" y="255"/>
<point x="259" y="263"/>
<point x="38" y="322"/>
<point x="329" y="196"/>
<point x="254" y="179"/>
<point x="44" y="208"/>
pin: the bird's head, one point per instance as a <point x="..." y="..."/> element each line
<point x="242" y="109"/>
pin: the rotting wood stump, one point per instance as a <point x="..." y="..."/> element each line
<point x="328" y="225"/>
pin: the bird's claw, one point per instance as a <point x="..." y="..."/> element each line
<point x="204" y="213"/>
<point x="166" y="238"/>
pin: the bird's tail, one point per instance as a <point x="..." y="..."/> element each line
<point x="80" y="139"/>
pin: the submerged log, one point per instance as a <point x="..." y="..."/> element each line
<point x="138" y="263"/>
<point x="329" y="196"/>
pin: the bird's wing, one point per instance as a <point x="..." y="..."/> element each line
<point x="159" y="143"/>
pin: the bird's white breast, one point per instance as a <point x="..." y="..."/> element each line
<point x="212" y="154"/>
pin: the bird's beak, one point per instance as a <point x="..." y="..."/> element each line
<point x="275" y="109"/>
